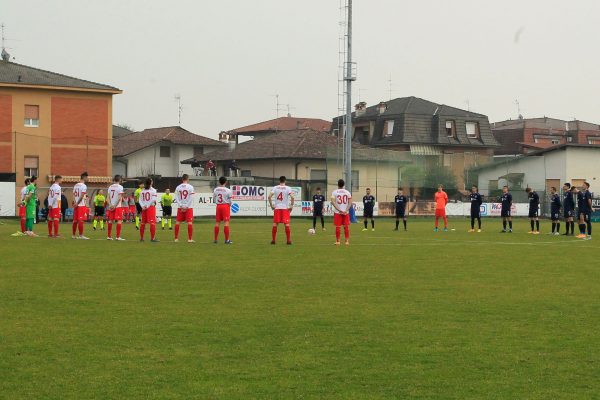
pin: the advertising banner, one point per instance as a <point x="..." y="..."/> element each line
<point x="7" y="199"/>
<point x="307" y="209"/>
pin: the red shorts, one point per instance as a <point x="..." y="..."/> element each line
<point x="281" y="216"/>
<point x="223" y="212"/>
<point x="186" y="215"/>
<point x="440" y="213"/>
<point x="115" y="214"/>
<point x="341" y="220"/>
<point x="149" y="215"/>
<point x="80" y="213"/>
<point x="54" y="213"/>
<point x="132" y="210"/>
<point x="22" y="211"/>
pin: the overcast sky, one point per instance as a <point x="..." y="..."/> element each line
<point x="227" y="58"/>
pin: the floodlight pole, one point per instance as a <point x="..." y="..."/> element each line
<point x="349" y="78"/>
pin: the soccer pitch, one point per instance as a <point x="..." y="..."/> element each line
<point x="417" y="314"/>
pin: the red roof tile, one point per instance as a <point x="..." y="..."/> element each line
<point x="286" y="124"/>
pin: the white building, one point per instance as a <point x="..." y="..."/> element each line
<point x="543" y="169"/>
<point x="159" y="151"/>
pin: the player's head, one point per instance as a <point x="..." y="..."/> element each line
<point x="318" y="190"/>
<point x="341" y="183"/>
<point x="100" y="192"/>
<point x="58" y="179"/>
<point x="504" y="189"/>
<point x="27" y="182"/>
<point x="400" y="191"/>
<point x="33" y="180"/>
<point x="117" y="179"/>
<point x="552" y="190"/>
<point x="586" y="185"/>
<point x="83" y="177"/>
<point x="368" y="191"/>
<point x="574" y="189"/>
<point x="222" y="181"/>
<point x="282" y="179"/>
<point x="528" y="190"/>
<point x="567" y="187"/>
<point x="142" y="184"/>
<point x="185" y="178"/>
<point x="440" y="187"/>
<point x="148" y="183"/>
<point x="167" y="191"/>
<point x="474" y="189"/>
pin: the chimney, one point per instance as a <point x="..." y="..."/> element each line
<point x="298" y="124"/>
<point x="231" y="141"/>
<point x="5" y="55"/>
<point x="360" y="109"/>
<point x="381" y="107"/>
<point x="223" y="137"/>
<point x="567" y="126"/>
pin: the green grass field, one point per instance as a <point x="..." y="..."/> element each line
<point x="417" y="314"/>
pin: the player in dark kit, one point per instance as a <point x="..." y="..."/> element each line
<point x="555" y="205"/>
<point x="318" y="201"/>
<point x="401" y="201"/>
<point x="505" y="212"/>
<point x="476" y="202"/>
<point x="534" y="211"/>
<point x="369" y="207"/>
<point x="568" y="209"/>
<point x="584" y="203"/>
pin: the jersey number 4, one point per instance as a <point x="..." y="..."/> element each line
<point x="280" y="196"/>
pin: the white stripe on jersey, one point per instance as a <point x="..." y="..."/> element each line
<point x="281" y="197"/>
<point x="115" y="193"/>
<point x="341" y="198"/>
<point x="148" y="197"/>
<point x="79" y="194"/>
<point x="222" y="195"/>
<point x="183" y="195"/>
<point x="23" y="193"/>
<point x="54" y="195"/>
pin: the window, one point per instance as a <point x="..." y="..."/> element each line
<point x="31" y="165"/>
<point x="388" y="128"/>
<point x="246" y="173"/>
<point x="198" y="151"/>
<point x="448" y="160"/>
<point x="165" y="151"/>
<point x="355" y="181"/>
<point x="32" y="116"/>
<point x="555" y="141"/>
<point x="451" y="128"/>
<point x="318" y="175"/>
<point x="569" y="139"/>
<point x="593" y="140"/>
<point x="472" y="129"/>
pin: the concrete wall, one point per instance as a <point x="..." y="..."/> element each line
<point x="148" y="161"/>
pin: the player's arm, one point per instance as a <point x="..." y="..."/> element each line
<point x="291" y="201"/>
<point x="332" y="200"/>
<point x="589" y="200"/>
<point x="271" y="200"/>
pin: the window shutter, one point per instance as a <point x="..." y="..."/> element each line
<point x="31" y="162"/>
<point x="32" y="112"/>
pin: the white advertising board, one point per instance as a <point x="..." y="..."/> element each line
<point x="7" y="199"/>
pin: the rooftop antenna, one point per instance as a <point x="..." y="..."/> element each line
<point x="179" y="107"/>
<point x="4" y="54"/>
<point x="468" y="103"/>
<point x="278" y="105"/>
<point x="289" y="108"/>
<point x="390" y="82"/>
<point x="519" y="109"/>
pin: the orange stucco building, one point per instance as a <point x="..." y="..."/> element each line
<point x="54" y="124"/>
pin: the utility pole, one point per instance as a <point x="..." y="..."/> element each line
<point x="179" y="107"/>
<point x="349" y="78"/>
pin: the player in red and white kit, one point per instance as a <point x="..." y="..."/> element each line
<point x="185" y="204"/>
<point x="148" y="200"/>
<point x="341" y="200"/>
<point x="22" y="208"/>
<point x="281" y="201"/>
<point x="115" y="207"/>
<point x="80" y="207"/>
<point x="54" y="194"/>
<point x="222" y="198"/>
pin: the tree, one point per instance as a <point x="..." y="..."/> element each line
<point x="412" y="178"/>
<point x="436" y="175"/>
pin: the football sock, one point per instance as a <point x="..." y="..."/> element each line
<point x="558" y="227"/>
<point x="510" y="225"/>
<point x="110" y="229"/>
<point x="537" y="225"/>
<point x="397" y="223"/>
<point x="216" y="230"/>
<point x="288" y="233"/>
<point x="532" y="224"/>
<point x="95" y="223"/>
<point x="152" y="231"/>
<point x="190" y="231"/>
<point x="170" y="223"/>
<point x="74" y="227"/>
<point x="373" y="223"/>
<point x="404" y="224"/>
<point x="337" y="233"/>
<point x="314" y="222"/>
<point x="56" y="225"/>
<point x="504" y="225"/>
<point x="572" y="227"/>
<point x="50" y="226"/>
<point x="162" y="222"/>
<point x="589" y="228"/>
<point x="322" y="222"/>
<point x="445" y="222"/>
<point x="365" y="221"/>
<point x="142" y="229"/>
<point x="80" y="227"/>
<point x="177" y="231"/>
<point x="582" y="229"/>
<point x="479" y="222"/>
<point x="226" y="230"/>
<point x="274" y="233"/>
<point x="22" y="225"/>
<point x="119" y="226"/>
<point x="137" y="221"/>
<point x="101" y="224"/>
<point x="472" y="223"/>
<point x="346" y="232"/>
<point x="553" y="226"/>
<point x="29" y="225"/>
<point x="436" y="221"/>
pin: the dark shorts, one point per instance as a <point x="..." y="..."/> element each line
<point x="555" y="215"/>
<point x="138" y="208"/>
<point x="505" y="213"/>
<point x="99" y="211"/>
<point x="400" y="213"/>
<point x="368" y="213"/>
<point x="569" y="214"/>
<point x="318" y="213"/>
<point x="167" y="211"/>
<point x="533" y="213"/>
